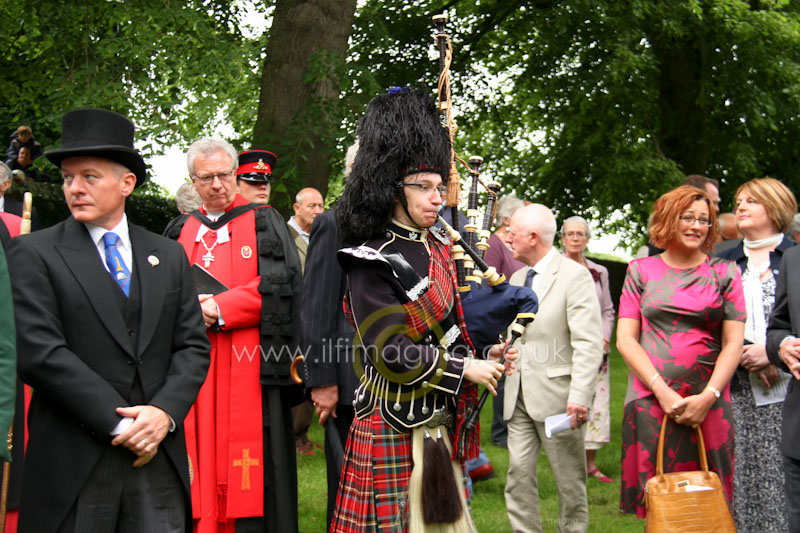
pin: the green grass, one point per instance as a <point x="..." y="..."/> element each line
<point x="488" y="503"/>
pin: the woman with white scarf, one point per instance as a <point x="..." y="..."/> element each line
<point x="764" y="210"/>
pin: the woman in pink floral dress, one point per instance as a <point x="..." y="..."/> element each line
<point x="680" y="330"/>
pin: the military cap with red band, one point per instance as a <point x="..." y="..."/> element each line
<point x="256" y="165"/>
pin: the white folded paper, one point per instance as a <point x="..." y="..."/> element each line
<point x="696" y="488"/>
<point x="556" y="424"/>
<point x="766" y="396"/>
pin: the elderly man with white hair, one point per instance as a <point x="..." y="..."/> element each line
<point x="794" y="228"/>
<point x="500" y="257"/>
<point x="560" y="353"/>
<point x="187" y="199"/>
<point x="238" y="433"/>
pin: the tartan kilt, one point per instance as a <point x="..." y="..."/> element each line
<point x="373" y="486"/>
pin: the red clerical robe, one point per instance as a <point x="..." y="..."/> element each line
<point x="12" y="223"/>
<point x="224" y="428"/>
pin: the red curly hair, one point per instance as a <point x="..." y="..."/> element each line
<point x="664" y="223"/>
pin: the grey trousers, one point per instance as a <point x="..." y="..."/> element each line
<point x="122" y="499"/>
<point x="567" y="456"/>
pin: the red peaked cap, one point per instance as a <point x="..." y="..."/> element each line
<point x="256" y="165"/>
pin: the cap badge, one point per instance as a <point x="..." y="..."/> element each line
<point x="261" y="165"/>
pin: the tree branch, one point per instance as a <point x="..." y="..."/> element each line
<point x="495" y="19"/>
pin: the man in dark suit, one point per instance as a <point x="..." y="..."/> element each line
<point x="328" y="336"/>
<point x="110" y="336"/>
<point x="783" y="350"/>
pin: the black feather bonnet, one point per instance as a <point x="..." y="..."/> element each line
<point x="400" y="134"/>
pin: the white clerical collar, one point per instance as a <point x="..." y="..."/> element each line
<point x="213" y="216"/>
<point x="222" y="233"/>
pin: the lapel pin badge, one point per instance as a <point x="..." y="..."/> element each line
<point x="153" y="260"/>
<point x="247" y="252"/>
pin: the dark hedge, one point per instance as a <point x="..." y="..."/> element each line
<point x="148" y="206"/>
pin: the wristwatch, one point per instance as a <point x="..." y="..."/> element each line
<point x="715" y="391"/>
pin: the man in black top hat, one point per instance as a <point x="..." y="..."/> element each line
<point x="254" y="174"/>
<point x="110" y="336"/>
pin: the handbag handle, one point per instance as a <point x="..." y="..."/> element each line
<point x="660" y="455"/>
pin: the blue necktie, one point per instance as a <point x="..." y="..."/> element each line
<point x="115" y="263"/>
<point x="529" y="277"/>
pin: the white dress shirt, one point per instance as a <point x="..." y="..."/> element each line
<point x="124" y="244"/>
<point x="541" y="267"/>
<point x="293" y="223"/>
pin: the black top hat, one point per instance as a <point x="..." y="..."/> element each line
<point x="99" y="133"/>
<point x="256" y="165"/>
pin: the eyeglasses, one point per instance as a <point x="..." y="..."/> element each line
<point x="574" y="235"/>
<point x="689" y="220"/>
<point x="221" y="176"/>
<point x="427" y="188"/>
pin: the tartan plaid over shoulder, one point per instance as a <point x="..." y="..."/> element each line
<point x="432" y="323"/>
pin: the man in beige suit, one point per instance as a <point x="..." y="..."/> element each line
<point x="560" y="353"/>
<point x="308" y="204"/>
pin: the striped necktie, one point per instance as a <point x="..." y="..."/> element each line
<point x="115" y="263"/>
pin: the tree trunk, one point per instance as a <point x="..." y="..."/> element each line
<point x="294" y="118"/>
<point x="681" y="135"/>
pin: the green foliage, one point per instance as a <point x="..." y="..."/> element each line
<point x="597" y="106"/>
<point x="171" y="66"/>
<point x="594" y="107"/>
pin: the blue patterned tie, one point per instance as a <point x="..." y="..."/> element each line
<point x="529" y="277"/>
<point x="115" y="263"/>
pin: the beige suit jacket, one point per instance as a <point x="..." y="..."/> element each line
<point x="302" y="247"/>
<point x="561" y="350"/>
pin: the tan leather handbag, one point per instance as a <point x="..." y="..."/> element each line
<point x="686" y="501"/>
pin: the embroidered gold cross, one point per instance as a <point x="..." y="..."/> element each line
<point x="245" y="462"/>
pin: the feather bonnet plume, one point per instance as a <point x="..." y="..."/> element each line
<point x="400" y="134"/>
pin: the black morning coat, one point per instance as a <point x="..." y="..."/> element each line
<point x="785" y="320"/>
<point x="82" y="361"/>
